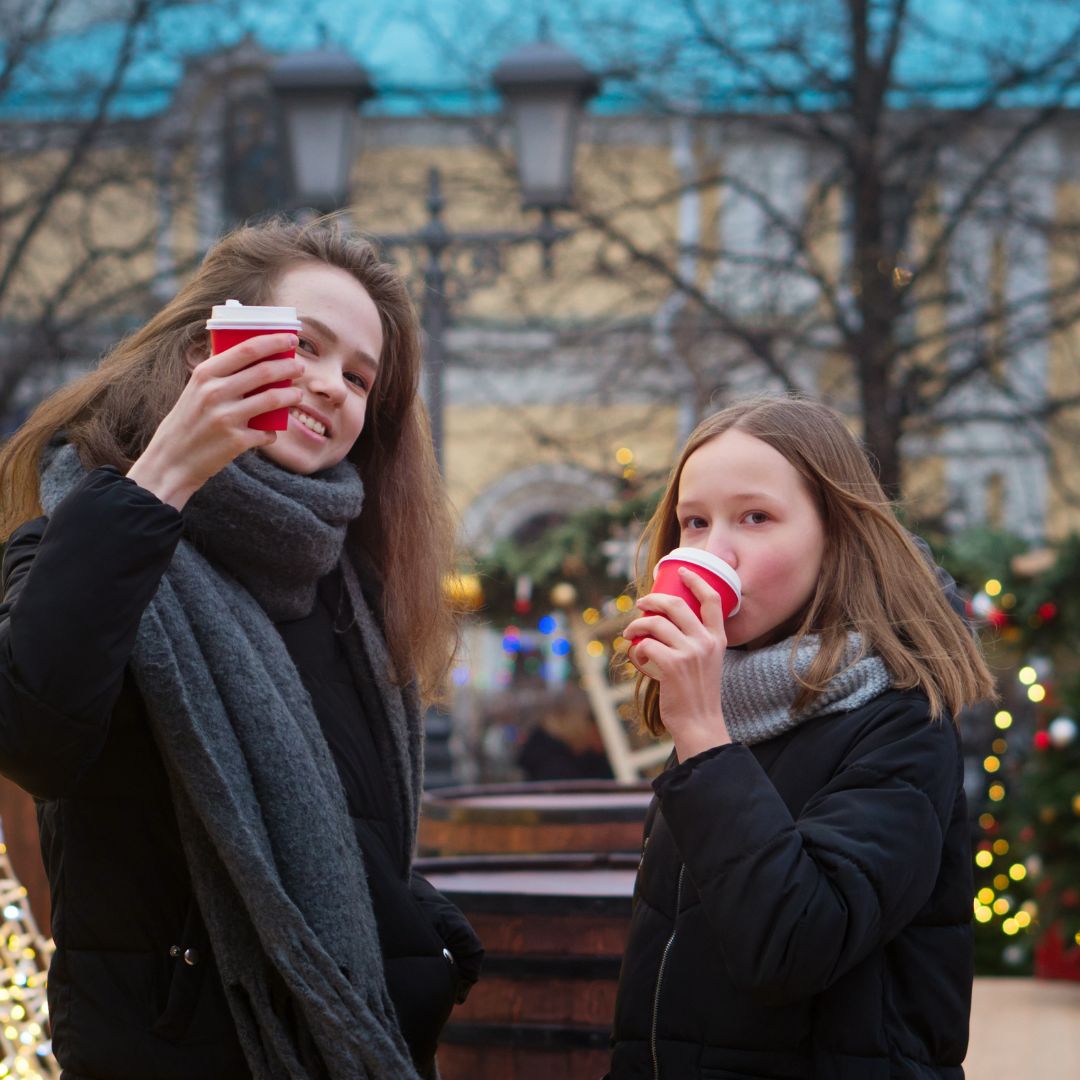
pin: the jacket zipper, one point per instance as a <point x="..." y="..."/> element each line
<point x="660" y="973"/>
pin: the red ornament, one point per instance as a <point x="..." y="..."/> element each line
<point x="1027" y="834"/>
<point x="522" y="607"/>
<point x="1042" y="740"/>
<point x="997" y="618"/>
<point x="1070" y="897"/>
<point x="1047" y="611"/>
<point x="1056" y="959"/>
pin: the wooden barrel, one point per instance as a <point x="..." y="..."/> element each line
<point x="561" y="817"/>
<point x="554" y="928"/>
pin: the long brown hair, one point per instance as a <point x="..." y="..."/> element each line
<point x="406" y="526"/>
<point x="874" y="580"/>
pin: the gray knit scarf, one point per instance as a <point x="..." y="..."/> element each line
<point x="759" y="686"/>
<point x="273" y="857"/>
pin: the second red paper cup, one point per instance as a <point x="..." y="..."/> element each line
<point x="233" y="322"/>
<point x="711" y="568"/>
<point x="706" y="565"/>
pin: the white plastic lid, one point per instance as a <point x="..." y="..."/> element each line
<point x="711" y="562"/>
<point x="232" y="315"/>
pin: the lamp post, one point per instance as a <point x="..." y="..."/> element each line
<point x="318" y="94"/>
<point x="545" y="88"/>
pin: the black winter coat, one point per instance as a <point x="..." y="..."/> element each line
<point x="134" y="993"/>
<point x="803" y="908"/>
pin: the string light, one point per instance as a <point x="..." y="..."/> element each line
<point x="1003" y="719"/>
<point x="25" y="1047"/>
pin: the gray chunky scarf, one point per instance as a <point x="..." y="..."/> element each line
<point x="273" y="857"/>
<point x="759" y="687"/>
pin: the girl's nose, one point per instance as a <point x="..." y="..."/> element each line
<point x="721" y="546"/>
<point x="326" y="385"/>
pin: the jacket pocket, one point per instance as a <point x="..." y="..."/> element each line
<point x="422" y="989"/>
<point x="190" y="998"/>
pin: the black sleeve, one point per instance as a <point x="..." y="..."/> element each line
<point x="797" y="902"/>
<point x="74" y="590"/>
<point x="455" y="930"/>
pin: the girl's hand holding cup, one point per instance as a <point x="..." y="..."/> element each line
<point x="680" y="642"/>
<point x="209" y="424"/>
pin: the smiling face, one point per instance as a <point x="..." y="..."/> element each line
<point x="745" y="502"/>
<point x="340" y="344"/>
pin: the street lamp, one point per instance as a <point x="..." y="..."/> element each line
<point x="318" y="93"/>
<point x="545" y="88"/>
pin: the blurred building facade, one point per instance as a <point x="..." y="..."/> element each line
<point x="684" y="256"/>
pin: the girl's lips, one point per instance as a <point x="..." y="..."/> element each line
<point x="295" y="414"/>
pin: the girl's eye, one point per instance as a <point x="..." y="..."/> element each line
<point x="694" y="522"/>
<point x="307" y="345"/>
<point x="358" y="380"/>
<point x="756" y="517"/>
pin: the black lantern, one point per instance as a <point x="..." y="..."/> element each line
<point x="546" y="88"/>
<point x="319" y="93"/>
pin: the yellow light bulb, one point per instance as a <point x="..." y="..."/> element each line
<point x="1003" y="719"/>
<point x="1036" y="693"/>
<point x="992" y="587"/>
<point x="1018" y="871"/>
<point x="1027" y="675"/>
<point x="991" y="764"/>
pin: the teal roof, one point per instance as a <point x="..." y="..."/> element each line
<point x="437" y="55"/>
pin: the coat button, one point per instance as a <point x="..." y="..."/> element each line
<point x="174" y="951"/>
<point x="448" y="956"/>
<point x="191" y="957"/>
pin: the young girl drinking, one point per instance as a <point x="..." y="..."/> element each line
<point x="213" y="647"/>
<point x="803" y="904"/>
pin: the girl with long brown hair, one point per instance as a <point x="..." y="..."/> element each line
<point x="803" y="903"/>
<point x="216" y="644"/>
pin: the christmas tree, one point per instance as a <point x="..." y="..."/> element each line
<point x="1027" y="859"/>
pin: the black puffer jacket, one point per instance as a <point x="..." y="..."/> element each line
<point x="133" y="990"/>
<point x="803" y="908"/>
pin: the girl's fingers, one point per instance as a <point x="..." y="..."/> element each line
<point x="674" y="608"/>
<point x="658" y="627"/>
<point x="712" y="608"/>
<point x="246" y="353"/>
<point x="268" y="371"/>
<point x="273" y="397"/>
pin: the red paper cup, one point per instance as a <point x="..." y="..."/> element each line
<point x="707" y="566"/>
<point x="232" y="323"/>
<point x="714" y="570"/>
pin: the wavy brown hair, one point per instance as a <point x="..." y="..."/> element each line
<point x="874" y="580"/>
<point x="406" y="527"/>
